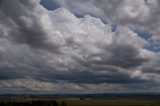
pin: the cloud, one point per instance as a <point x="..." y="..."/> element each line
<point x="125" y="11"/>
<point x="20" y="85"/>
<point x="27" y="22"/>
<point x="24" y="86"/>
<point x="152" y="67"/>
<point x="80" y="7"/>
<point x="143" y="14"/>
<point x="140" y="13"/>
<point x="47" y="50"/>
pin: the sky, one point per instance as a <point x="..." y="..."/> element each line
<point x="79" y="46"/>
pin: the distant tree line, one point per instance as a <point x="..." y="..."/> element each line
<point x="34" y="103"/>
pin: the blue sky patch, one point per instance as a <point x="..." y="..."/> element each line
<point x="142" y="34"/>
<point x="49" y="4"/>
<point x="155" y="47"/>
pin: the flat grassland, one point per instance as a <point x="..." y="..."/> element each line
<point x="112" y="102"/>
<point x="82" y="102"/>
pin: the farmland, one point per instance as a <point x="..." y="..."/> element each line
<point x="115" y="102"/>
<point x="80" y="101"/>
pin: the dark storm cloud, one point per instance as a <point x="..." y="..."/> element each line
<point x="109" y="75"/>
<point x="125" y="56"/>
<point x="153" y="65"/>
<point x="152" y="69"/>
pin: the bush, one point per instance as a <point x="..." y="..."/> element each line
<point x="64" y="103"/>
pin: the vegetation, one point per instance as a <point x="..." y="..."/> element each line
<point x="112" y="102"/>
<point x="82" y="102"/>
<point x="30" y="103"/>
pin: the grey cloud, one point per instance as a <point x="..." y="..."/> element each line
<point x="34" y="86"/>
<point x="122" y="12"/>
<point x="90" y="77"/>
<point x="125" y="56"/>
<point x="80" y="7"/>
<point x="27" y="85"/>
<point x="153" y="65"/>
<point x="88" y="51"/>
<point x="25" y="23"/>
<point x="141" y="13"/>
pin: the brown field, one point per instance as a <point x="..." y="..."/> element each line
<point x="80" y="102"/>
<point x="113" y="102"/>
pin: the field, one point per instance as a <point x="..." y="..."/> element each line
<point x="80" y="101"/>
<point x="112" y="102"/>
